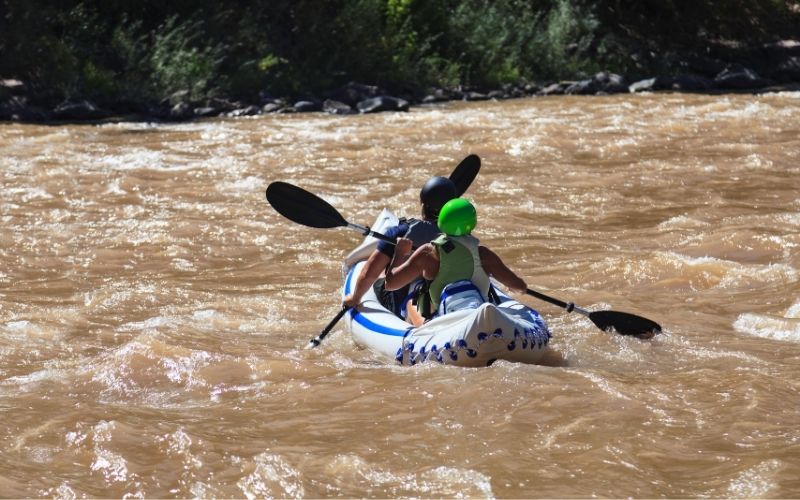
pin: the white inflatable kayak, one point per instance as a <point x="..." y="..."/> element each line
<point x="508" y="330"/>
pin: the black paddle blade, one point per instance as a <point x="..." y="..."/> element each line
<point x="625" y="323"/>
<point x="298" y="205"/>
<point x="465" y="172"/>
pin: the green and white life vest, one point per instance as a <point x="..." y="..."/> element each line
<point x="459" y="260"/>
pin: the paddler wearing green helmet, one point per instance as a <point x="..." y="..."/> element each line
<point x="456" y="267"/>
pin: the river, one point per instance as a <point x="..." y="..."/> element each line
<point x="154" y="307"/>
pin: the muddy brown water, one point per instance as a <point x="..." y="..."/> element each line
<point x="153" y="306"/>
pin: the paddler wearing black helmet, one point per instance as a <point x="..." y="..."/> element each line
<point x="435" y="193"/>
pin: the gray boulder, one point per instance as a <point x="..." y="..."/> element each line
<point x="337" y="108"/>
<point x="555" y="89"/>
<point x="307" y="106"/>
<point x="17" y="108"/>
<point x="691" y="83"/>
<point x="251" y="110"/>
<point x="788" y="70"/>
<point x="352" y="93"/>
<point x="475" y="96"/>
<point x="603" y="82"/>
<point x="205" y="111"/>
<point x="273" y="107"/>
<point x="737" y="77"/>
<point x="680" y="83"/>
<point x="382" y="103"/>
<point x="438" y="95"/>
<point x="646" y="85"/>
<point x="78" y="111"/>
<point x="180" y="111"/>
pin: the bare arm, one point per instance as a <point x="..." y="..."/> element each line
<point x="422" y="262"/>
<point x="369" y="273"/>
<point x="494" y="266"/>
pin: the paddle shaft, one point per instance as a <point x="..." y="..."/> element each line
<point x="620" y="322"/>
<point x="560" y="303"/>
<point x="318" y="339"/>
<point x="369" y="232"/>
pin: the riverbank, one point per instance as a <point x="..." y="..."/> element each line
<point x="769" y="68"/>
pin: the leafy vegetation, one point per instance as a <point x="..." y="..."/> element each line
<point x="145" y="51"/>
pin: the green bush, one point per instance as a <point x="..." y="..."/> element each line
<point x="504" y="41"/>
<point x="181" y="60"/>
<point x="566" y="35"/>
<point x="131" y="46"/>
<point x="144" y="50"/>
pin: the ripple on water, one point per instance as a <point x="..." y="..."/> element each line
<point x="757" y="481"/>
<point x="786" y="328"/>
<point x="354" y="473"/>
<point x="271" y="476"/>
<point x="699" y="273"/>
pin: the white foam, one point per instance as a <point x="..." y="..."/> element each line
<point x="205" y="314"/>
<point x="112" y="465"/>
<point x="134" y="159"/>
<point x="443" y="481"/>
<point x="742" y="275"/>
<point x="182" y="369"/>
<point x="771" y="327"/>
<point x="114" y="188"/>
<point x="246" y="185"/>
<point x="273" y="477"/>
<point x="757" y="481"/>
<point x="682" y="222"/>
<point x="28" y="194"/>
<point x="29" y="333"/>
<point x="29" y="382"/>
<point x="150" y="323"/>
<point x="792" y="218"/>
<point x="63" y="492"/>
<point x="713" y="272"/>
<point x="183" y="265"/>
<point x="518" y="147"/>
<point x="19" y="326"/>
<point x="794" y="311"/>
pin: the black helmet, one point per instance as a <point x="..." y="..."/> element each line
<point x="434" y="194"/>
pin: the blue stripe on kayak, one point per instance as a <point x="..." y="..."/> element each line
<point x="363" y="321"/>
<point x="347" y="281"/>
<point x="375" y="327"/>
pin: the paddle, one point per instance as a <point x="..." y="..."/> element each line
<point x="465" y="172"/>
<point x="621" y="322"/>
<point x="308" y="209"/>
<point x="318" y="339"/>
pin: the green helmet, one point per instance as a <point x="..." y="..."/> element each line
<point x="458" y="217"/>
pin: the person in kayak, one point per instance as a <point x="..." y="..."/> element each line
<point x="434" y="194"/>
<point x="456" y="268"/>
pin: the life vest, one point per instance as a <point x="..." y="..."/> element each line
<point x="421" y="232"/>
<point x="461" y="279"/>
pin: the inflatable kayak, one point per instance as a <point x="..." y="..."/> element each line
<point x="506" y="329"/>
